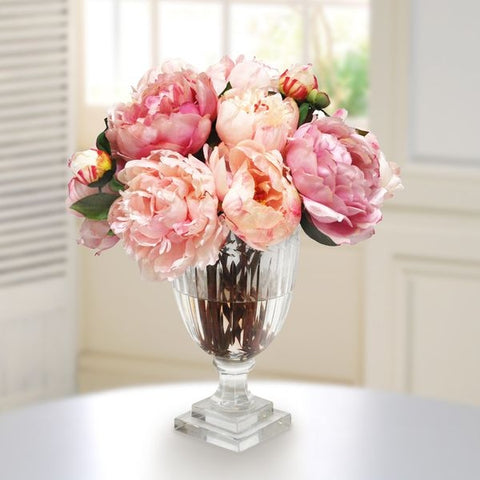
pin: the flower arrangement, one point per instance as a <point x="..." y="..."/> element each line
<point x="238" y="147"/>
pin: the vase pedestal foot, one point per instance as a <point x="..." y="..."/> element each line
<point x="234" y="429"/>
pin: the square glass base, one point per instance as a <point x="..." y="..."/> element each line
<point x="233" y="429"/>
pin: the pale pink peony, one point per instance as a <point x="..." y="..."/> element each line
<point x="242" y="74"/>
<point x="76" y="190"/>
<point x="94" y="234"/>
<point x="167" y="216"/>
<point x="389" y="171"/>
<point x="170" y="110"/>
<point x="219" y="73"/>
<point x="260" y="205"/>
<point x="337" y="173"/>
<point x="258" y="115"/>
<point x="298" y="81"/>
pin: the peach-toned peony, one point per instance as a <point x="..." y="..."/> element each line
<point x="167" y="216"/>
<point x="337" y="173"/>
<point x="170" y="110"/>
<point x="298" y="81"/>
<point x="242" y="74"/>
<point x="258" y="115"/>
<point x="217" y="160"/>
<point x="260" y="205"/>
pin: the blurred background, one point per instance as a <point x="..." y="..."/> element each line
<point x="400" y="312"/>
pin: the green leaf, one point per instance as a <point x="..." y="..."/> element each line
<point x="361" y="132"/>
<point x="312" y="231"/>
<point x="305" y="113"/>
<point x="228" y="87"/>
<point x="115" y="185"/>
<point x="102" y="140"/>
<point x="95" y="207"/>
<point x="107" y="176"/>
<point x="213" y="140"/>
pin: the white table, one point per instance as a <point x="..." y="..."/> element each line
<point x="338" y="433"/>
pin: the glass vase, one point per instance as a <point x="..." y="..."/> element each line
<point x="233" y="310"/>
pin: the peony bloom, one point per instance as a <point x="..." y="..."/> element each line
<point x="337" y="173"/>
<point x="389" y="171"/>
<point x="297" y="82"/>
<point x="260" y="205"/>
<point x="256" y="115"/>
<point x="170" y="110"/>
<point x="89" y="166"/>
<point x="94" y="234"/>
<point x="217" y="160"/>
<point x="167" y="216"/>
<point x="76" y="190"/>
<point x="242" y="74"/>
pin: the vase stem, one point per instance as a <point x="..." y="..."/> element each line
<point x="232" y="392"/>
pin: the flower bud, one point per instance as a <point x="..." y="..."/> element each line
<point x="297" y="82"/>
<point x="318" y="99"/>
<point x="89" y="166"/>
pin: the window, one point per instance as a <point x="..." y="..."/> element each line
<point x="123" y="38"/>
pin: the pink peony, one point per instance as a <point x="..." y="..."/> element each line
<point x="170" y="110"/>
<point x="256" y="115"/>
<point x="242" y="74"/>
<point x="260" y="204"/>
<point x="337" y="173"/>
<point x="167" y="216"/>
<point x="298" y="81"/>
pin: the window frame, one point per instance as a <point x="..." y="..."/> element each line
<point x="90" y="116"/>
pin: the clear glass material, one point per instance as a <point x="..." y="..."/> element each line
<point x="233" y="310"/>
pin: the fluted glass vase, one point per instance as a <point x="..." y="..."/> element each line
<point x="233" y="310"/>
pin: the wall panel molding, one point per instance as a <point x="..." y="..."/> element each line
<point x="420" y="252"/>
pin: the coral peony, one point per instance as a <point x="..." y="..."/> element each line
<point x="337" y="173"/>
<point x="256" y="115"/>
<point x="261" y="206"/>
<point x="170" y="110"/>
<point x="167" y="216"/>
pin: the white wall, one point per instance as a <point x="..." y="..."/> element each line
<point x="423" y="273"/>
